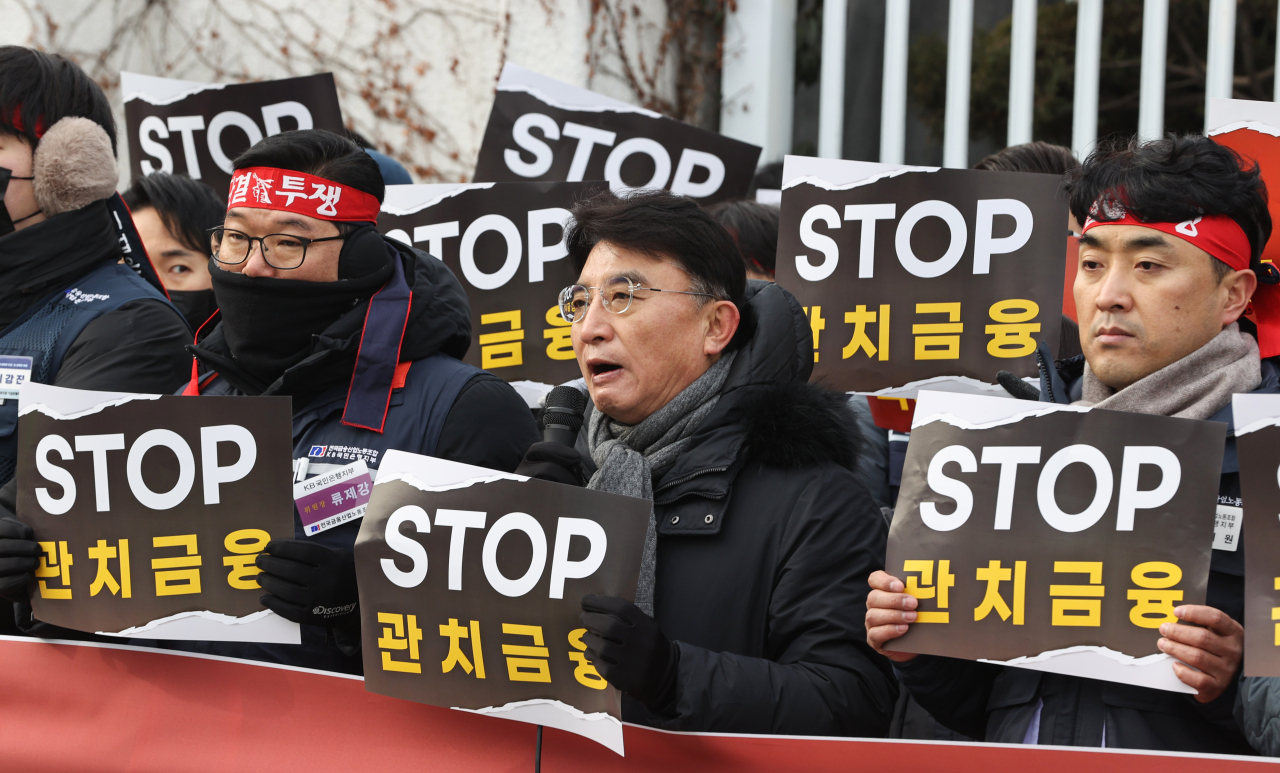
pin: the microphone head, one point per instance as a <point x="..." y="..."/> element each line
<point x="564" y="408"/>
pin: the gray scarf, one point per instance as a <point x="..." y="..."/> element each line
<point x="631" y="457"/>
<point x="1195" y="387"/>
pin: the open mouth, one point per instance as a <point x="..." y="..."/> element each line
<point x="600" y="368"/>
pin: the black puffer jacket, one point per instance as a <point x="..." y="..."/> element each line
<point x="765" y="542"/>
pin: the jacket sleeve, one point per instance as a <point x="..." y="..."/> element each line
<point x="1221" y="712"/>
<point x="955" y="692"/>
<point x="139" y="347"/>
<point x="820" y="677"/>
<point x="1258" y="712"/>
<point x="489" y="425"/>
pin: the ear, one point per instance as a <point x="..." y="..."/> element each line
<point x="721" y="319"/>
<point x="1239" y="288"/>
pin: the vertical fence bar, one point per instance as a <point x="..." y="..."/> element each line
<point x="955" y="140"/>
<point x="1022" y="72"/>
<point x="1084" y="115"/>
<point x="758" y="77"/>
<point x="831" y="89"/>
<point x="1220" y="62"/>
<point x="1276" y="87"/>
<point x="1155" y="36"/>
<point x="893" y="94"/>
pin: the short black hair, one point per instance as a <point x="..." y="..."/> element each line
<point x="768" y="177"/>
<point x="321" y="153"/>
<point x="1171" y="180"/>
<point x="38" y="89"/>
<point x="1041" y="157"/>
<point x="754" y="228"/>
<point x="665" y="226"/>
<point x="188" y="208"/>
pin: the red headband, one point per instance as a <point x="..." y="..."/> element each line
<point x="1221" y="237"/>
<point x="1218" y="235"/>
<point x="262" y="187"/>
<point x="16" y="120"/>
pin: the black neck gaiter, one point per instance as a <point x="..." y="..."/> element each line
<point x="51" y="255"/>
<point x="196" y="305"/>
<point x="270" y="324"/>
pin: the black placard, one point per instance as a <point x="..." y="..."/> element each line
<point x="1051" y="531"/>
<point x="201" y="134"/>
<point x="925" y="274"/>
<point x="533" y="137"/>
<point x="504" y="242"/>
<point x="154" y="506"/>
<point x="470" y="596"/>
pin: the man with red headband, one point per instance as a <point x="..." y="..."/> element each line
<point x="1169" y="264"/>
<point x="365" y="334"/>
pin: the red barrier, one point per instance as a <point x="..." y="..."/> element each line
<point x="71" y="707"/>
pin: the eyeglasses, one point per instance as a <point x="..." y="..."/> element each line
<point x="616" y="296"/>
<point x="280" y="251"/>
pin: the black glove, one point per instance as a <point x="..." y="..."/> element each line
<point x="629" y="650"/>
<point x="19" y="557"/>
<point x="309" y="583"/>
<point x="555" y="462"/>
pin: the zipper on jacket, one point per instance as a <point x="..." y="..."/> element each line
<point x="1045" y="375"/>
<point x="689" y="477"/>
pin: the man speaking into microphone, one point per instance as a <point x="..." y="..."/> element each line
<point x="746" y="618"/>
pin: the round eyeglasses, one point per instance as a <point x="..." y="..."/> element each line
<point x="616" y="296"/>
<point x="281" y="251"/>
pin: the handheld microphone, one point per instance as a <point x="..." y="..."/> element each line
<point x="562" y="417"/>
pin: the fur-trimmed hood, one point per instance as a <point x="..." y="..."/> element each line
<point x="796" y="425"/>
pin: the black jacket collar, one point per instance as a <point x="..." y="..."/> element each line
<point x="50" y="256"/>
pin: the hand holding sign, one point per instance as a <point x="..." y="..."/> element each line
<point x="19" y="556"/>
<point x="1210" y="649"/>
<point x="890" y="612"/>
<point x="1042" y="536"/>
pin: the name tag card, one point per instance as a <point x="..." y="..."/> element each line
<point x="14" y="372"/>
<point x="334" y="498"/>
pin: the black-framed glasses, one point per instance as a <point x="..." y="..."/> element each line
<point x="616" y="296"/>
<point x="281" y="251"/>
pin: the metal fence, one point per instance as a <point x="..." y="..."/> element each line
<point x="744" y="45"/>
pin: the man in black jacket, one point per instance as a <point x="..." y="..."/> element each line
<point x="1169" y="260"/>
<point x="71" y="314"/>
<point x="365" y="334"/>
<point x="761" y="538"/>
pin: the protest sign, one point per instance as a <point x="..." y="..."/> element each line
<point x="1257" y="429"/>
<point x="151" y="510"/>
<point x="199" y="128"/>
<point x="921" y="278"/>
<point x="1252" y="129"/>
<point x="505" y="243"/>
<point x="1053" y="537"/>
<point x="544" y="130"/>
<point x="492" y="626"/>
